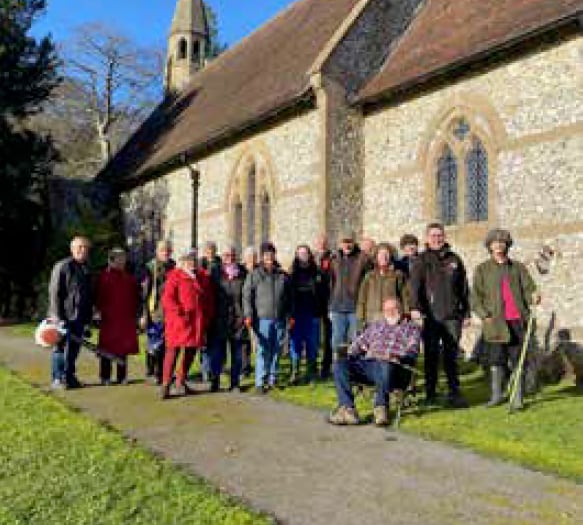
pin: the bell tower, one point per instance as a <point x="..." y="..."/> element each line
<point x="187" y="45"/>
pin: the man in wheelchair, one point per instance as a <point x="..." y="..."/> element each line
<point x="376" y="357"/>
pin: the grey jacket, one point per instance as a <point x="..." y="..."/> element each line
<point x="70" y="292"/>
<point x="266" y="295"/>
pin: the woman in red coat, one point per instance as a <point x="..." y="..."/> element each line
<point x="188" y="305"/>
<point x="117" y="299"/>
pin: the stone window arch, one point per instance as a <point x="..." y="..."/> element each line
<point x="196" y="52"/>
<point x="462" y="165"/>
<point x="182" y="50"/>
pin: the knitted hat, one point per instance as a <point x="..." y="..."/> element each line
<point x="499" y="235"/>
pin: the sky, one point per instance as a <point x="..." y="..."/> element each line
<point x="148" y="21"/>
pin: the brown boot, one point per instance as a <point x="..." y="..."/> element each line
<point x="344" y="416"/>
<point x="164" y="392"/>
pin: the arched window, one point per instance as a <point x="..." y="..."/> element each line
<point x="265" y="217"/>
<point x="182" y="49"/>
<point x="251" y="192"/>
<point x="196" y="52"/>
<point x="461" y="174"/>
<point x="447" y="187"/>
<point x="477" y="183"/>
<point x="238" y="225"/>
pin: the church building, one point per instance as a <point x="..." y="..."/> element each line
<point x="378" y="115"/>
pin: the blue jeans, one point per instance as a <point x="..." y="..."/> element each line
<point x="343" y="329"/>
<point x="205" y="363"/>
<point x="269" y="335"/>
<point x="219" y="356"/>
<point x="357" y="370"/>
<point x="305" y="331"/>
<point x="64" y="357"/>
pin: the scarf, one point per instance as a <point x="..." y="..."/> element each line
<point x="231" y="271"/>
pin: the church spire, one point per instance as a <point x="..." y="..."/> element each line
<point x="187" y="44"/>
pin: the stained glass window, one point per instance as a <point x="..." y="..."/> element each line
<point x="477" y="183"/>
<point x="251" y="182"/>
<point x="238" y="225"/>
<point x="265" y="217"/>
<point x="447" y="173"/>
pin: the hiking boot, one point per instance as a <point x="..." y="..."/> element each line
<point x="261" y="390"/>
<point x="430" y="401"/>
<point x="215" y="385"/>
<point x="105" y="382"/>
<point x="164" y="392"/>
<point x="235" y="390"/>
<point x="344" y="416"/>
<point x="457" y="401"/>
<point x="380" y="414"/>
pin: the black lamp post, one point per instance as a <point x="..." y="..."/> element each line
<point x="195" y="181"/>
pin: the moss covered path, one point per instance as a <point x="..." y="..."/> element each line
<point x="286" y="461"/>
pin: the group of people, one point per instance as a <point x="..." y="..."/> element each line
<point x="368" y="308"/>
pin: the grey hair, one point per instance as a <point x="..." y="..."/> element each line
<point x="249" y="250"/>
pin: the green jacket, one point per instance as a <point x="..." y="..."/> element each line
<point x="487" y="296"/>
<point x="375" y="289"/>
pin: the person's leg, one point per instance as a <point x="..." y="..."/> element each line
<point x="450" y="340"/>
<point x="104" y="370"/>
<point x="187" y="360"/>
<point x="236" y="361"/>
<point x="71" y="353"/>
<point x="295" y="349"/>
<point x="205" y="363"/>
<point x="218" y="351"/>
<point x="278" y="337"/>
<point x="169" y="363"/>
<point x="431" y="347"/>
<point x="311" y="348"/>
<point x="379" y="372"/>
<point x="352" y="324"/>
<point x="122" y="370"/>
<point x="514" y="348"/>
<point x="58" y="364"/>
<point x="159" y="363"/>
<point x="326" y="342"/>
<point x="261" y="343"/>
<point x="150" y="364"/>
<point x="342" y="374"/>
<point x="246" y="356"/>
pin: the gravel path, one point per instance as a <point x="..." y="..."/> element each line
<point x="286" y="461"/>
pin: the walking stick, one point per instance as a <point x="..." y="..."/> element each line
<point x="516" y="376"/>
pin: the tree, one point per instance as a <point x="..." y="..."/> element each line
<point x="215" y="47"/>
<point x="112" y="82"/>
<point x="28" y="74"/>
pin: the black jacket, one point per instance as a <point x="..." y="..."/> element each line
<point x="346" y="275"/>
<point x="309" y="291"/>
<point x="70" y="292"/>
<point x="228" y="321"/>
<point x="439" y="285"/>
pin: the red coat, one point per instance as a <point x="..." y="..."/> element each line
<point x="188" y="305"/>
<point x="117" y="300"/>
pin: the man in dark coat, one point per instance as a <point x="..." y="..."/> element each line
<point x="409" y="245"/>
<point x="347" y="271"/>
<point x="227" y="326"/>
<point x="70" y="302"/>
<point x="440" y="295"/>
<point x="502" y="296"/>
<point x="153" y="282"/>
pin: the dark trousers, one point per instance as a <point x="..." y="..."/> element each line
<point x="326" y="343"/>
<point x="219" y="356"/>
<point x="155" y="364"/>
<point x="246" y="366"/>
<point x="64" y="358"/>
<point x="441" y="338"/>
<point x="357" y="370"/>
<point x="105" y="369"/>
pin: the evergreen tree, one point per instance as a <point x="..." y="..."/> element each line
<point x="27" y="77"/>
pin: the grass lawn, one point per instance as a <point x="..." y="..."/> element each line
<point x="59" y="467"/>
<point x="547" y="435"/>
